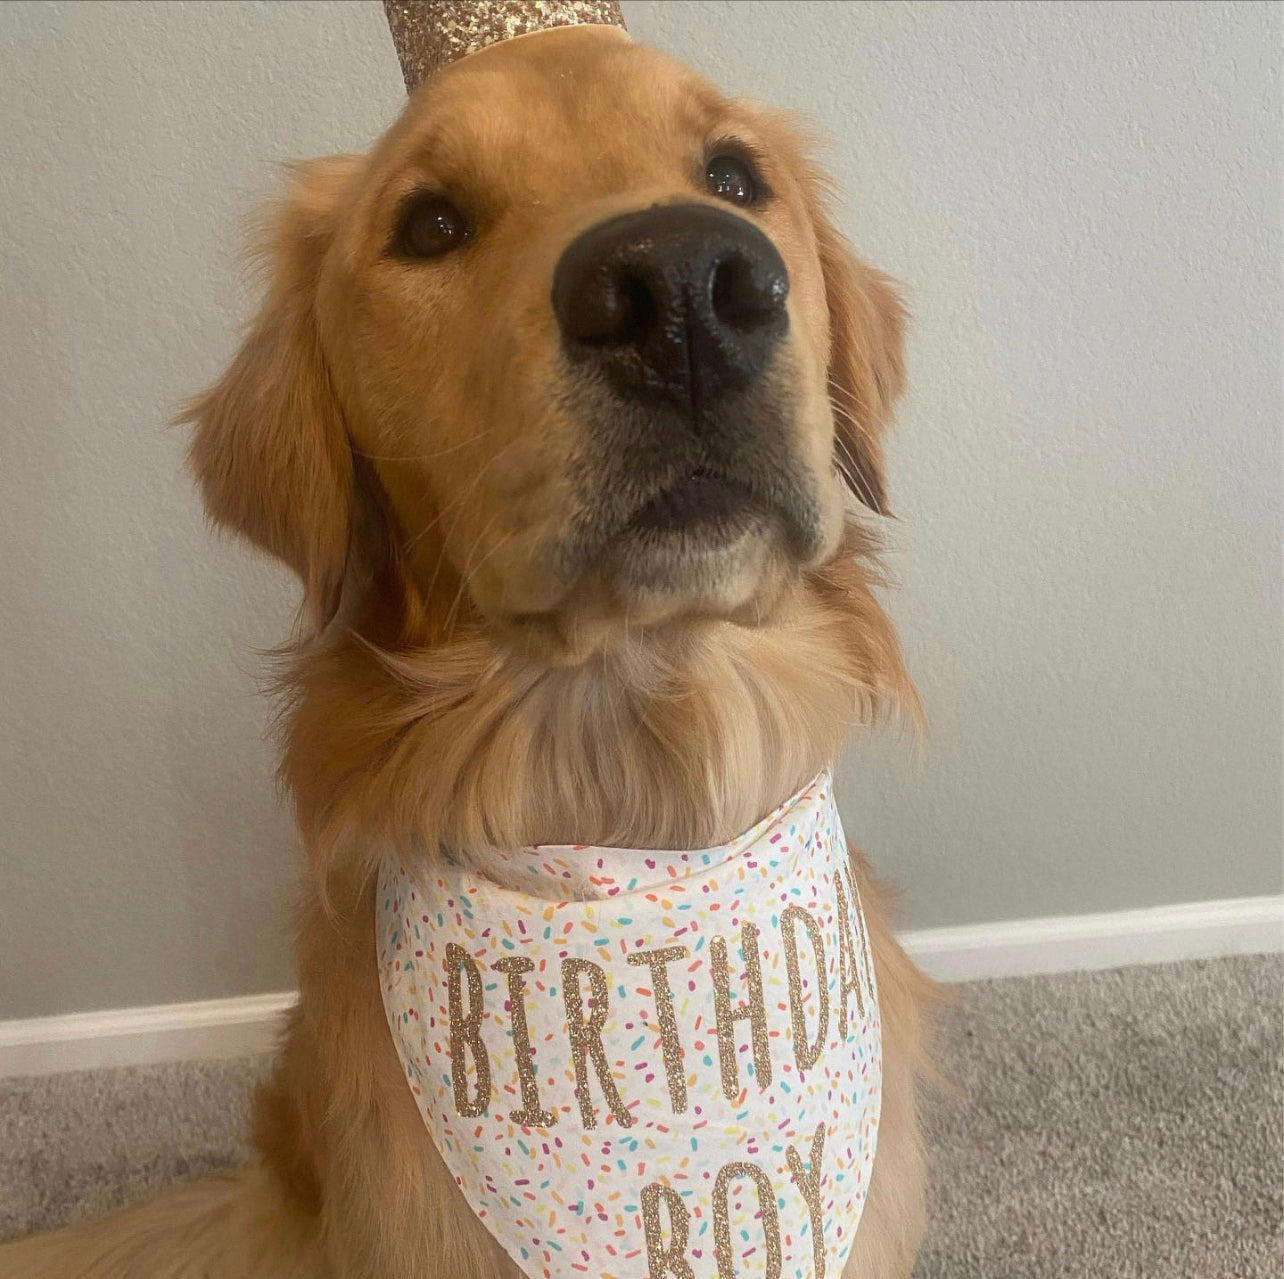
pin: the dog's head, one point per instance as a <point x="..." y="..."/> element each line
<point x="576" y="346"/>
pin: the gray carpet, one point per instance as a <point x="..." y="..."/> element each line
<point x="1128" y="1123"/>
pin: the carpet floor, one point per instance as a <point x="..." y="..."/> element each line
<point x="1120" y="1124"/>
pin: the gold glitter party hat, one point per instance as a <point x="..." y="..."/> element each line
<point x="430" y="33"/>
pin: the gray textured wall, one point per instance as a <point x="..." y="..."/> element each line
<point x="143" y="856"/>
<point x="1083" y="201"/>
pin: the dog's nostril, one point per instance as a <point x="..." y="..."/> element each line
<point x="637" y="312"/>
<point x="609" y="307"/>
<point x="741" y="296"/>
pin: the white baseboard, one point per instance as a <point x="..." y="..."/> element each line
<point x="220" y="1028"/>
<point x="206" y="1030"/>
<point x="1112" y="939"/>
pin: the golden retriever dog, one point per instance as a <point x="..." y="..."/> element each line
<point x="557" y="404"/>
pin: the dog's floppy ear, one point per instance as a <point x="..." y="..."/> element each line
<point x="269" y="449"/>
<point x="866" y="356"/>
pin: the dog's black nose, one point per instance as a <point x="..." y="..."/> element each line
<point x="679" y="302"/>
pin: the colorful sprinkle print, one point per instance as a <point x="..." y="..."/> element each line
<point x="567" y="1056"/>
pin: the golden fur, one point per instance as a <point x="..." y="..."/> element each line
<point x="404" y="438"/>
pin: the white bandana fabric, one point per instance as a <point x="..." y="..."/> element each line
<point x="672" y="1074"/>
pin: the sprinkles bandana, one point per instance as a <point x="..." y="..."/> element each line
<point x="647" y="1065"/>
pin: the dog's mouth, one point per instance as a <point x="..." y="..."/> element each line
<point x="692" y="525"/>
<point x="699" y="500"/>
<point x="678" y="518"/>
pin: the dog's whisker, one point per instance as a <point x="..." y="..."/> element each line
<point x="459" y="510"/>
<point x="854" y="473"/>
<point x="850" y="417"/>
<point x="420" y="457"/>
<point x="466" y="577"/>
<point x="456" y="506"/>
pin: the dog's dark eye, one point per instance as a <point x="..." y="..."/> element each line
<point x="430" y="225"/>
<point x="731" y="178"/>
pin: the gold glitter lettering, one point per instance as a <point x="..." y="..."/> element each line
<point x="722" y="1222"/>
<point x="848" y="969"/>
<point x="809" y="1185"/>
<point x="662" y="1259"/>
<point x="656" y="961"/>
<point x="586" y="1039"/>
<point x="531" y="1113"/>
<point x="806" y="1052"/>
<point x="465" y="1033"/>
<point x="754" y="1012"/>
